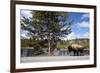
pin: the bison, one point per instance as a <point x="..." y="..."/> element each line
<point x="75" y="50"/>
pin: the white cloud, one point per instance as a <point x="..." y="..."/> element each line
<point x="76" y="36"/>
<point x="83" y="24"/>
<point x="71" y="36"/>
<point x="86" y="35"/>
<point x="85" y="16"/>
<point x="26" y="13"/>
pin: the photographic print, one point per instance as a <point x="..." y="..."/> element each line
<point x="54" y="36"/>
<point x="48" y="36"/>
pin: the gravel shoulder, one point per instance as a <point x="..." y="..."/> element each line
<point x="52" y="58"/>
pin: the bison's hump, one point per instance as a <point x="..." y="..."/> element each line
<point x="76" y="46"/>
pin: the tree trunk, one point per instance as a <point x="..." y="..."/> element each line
<point x="49" y="46"/>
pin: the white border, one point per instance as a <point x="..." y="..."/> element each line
<point x="51" y="64"/>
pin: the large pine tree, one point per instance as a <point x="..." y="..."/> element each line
<point x="47" y="25"/>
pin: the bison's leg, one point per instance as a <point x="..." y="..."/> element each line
<point x="76" y="53"/>
<point x="80" y="52"/>
<point x="73" y="52"/>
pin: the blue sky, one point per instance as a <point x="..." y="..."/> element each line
<point x="80" y="27"/>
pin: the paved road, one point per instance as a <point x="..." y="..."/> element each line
<point x="52" y="58"/>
